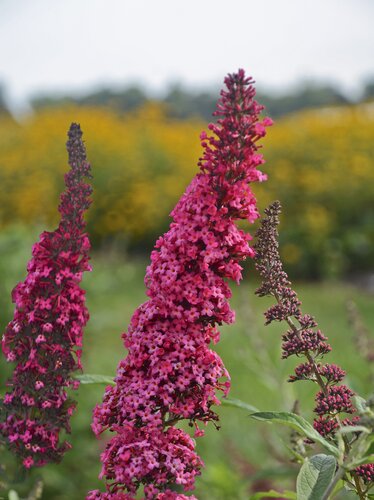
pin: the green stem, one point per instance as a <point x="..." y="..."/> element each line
<point x="338" y="476"/>
<point x="359" y="491"/>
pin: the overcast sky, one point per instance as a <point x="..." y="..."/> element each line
<point x="75" y="45"/>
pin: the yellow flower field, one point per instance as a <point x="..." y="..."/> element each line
<point x="320" y="166"/>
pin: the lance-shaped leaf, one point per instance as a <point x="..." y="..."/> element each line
<point x="237" y="403"/>
<point x="89" y="378"/>
<point x="289" y="495"/>
<point x="298" y="423"/>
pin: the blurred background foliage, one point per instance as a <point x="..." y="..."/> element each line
<point x="144" y="153"/>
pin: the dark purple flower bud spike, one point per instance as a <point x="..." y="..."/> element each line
<point x="303" y="339"/>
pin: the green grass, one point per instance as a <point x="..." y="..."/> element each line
<point x="242" y="450"/>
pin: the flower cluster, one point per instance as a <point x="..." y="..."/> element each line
<point x="158" y="455"/>
<point x="170" y="372"/>
<point x="366" y="472"/>
<point x="305" y="371"/>
<point x="302" y="338"/>
<point x="44" y="338"/>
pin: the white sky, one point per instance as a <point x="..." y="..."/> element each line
<point x="75" y="45"/>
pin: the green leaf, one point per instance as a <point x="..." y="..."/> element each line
<point x="340" y="485"/>
<point x="361" y="461"/>
<point x="296" y="456"/>
<point x="341" y="448"/>
<point x="361" y="448"/>
<point x="347" y="429"/>
<point x="289" y="495"/>
<point x="298" y="423"/>
<point x="237" y="403"/>
<point x="315" y="477"/>
<point x="360" y="404"/>
<point x="89" y="378"/>
<point x="370" y="440"/>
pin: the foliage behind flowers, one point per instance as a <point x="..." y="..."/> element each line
<point x="321" y="164"/>
<point x="322" y="168"/>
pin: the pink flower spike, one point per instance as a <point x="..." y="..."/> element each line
<point x="37" y="339"/>
<point x="170" y="372"/>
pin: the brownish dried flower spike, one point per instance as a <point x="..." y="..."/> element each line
<point x="302" y="338"/>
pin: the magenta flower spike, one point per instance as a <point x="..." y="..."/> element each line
<point x="170" y="373"/>
<point x="44" y="338"/>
